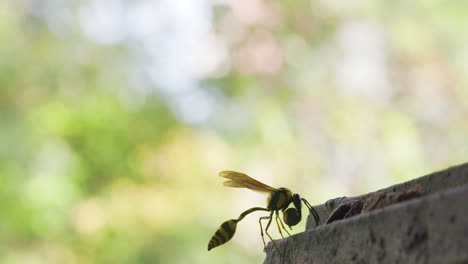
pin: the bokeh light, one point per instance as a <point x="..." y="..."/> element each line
<point x="116" y="116"/>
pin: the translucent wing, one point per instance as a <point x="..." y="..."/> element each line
<point x="241" y="180"/>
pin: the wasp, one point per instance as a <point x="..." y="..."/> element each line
<point x="278" y="200"/>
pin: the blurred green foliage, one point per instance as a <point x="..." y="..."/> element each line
<point x="102" y="162"/>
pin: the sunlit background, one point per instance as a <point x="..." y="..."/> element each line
<point x="116" y="116"/>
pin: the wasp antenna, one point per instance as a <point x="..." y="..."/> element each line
<point x="312" y="211"/>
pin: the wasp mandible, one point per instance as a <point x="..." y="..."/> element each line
<point x="278" y="200"/>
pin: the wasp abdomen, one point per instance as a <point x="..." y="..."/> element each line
<point x="224" y="233"/>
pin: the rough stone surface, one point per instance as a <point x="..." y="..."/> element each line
<point x="434" y="182"/>
<point x="430" y="229"/>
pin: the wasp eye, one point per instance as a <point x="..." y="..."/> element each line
<point x="291" y="217"/>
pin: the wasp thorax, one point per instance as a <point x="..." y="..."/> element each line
<point x="279" y="199"/>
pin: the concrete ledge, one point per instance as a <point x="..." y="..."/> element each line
<point x="434" y="182"/>
<point x="429" y="229"/>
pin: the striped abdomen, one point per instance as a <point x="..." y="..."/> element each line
<point x="224" y="233"/>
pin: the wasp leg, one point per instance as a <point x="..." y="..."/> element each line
<point x="261" y="228"/>
<point x="266" y="232"/>
<point x="266" y="229"/>
<point x="282" y="225"/>
<point x="277" y="224"/>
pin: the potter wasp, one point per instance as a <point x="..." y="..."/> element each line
<point x="278" y="200"/>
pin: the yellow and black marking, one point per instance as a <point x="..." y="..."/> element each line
<point x="227" y="229"/>
<point x="224" y="233"/>
<point x="278" y="200"/>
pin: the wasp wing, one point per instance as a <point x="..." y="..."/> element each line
<point x="241" y="180"/>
